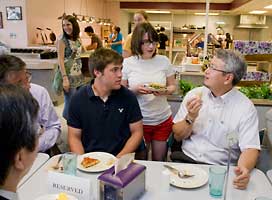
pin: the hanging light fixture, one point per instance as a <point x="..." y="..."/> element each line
<point x="64" y="14"/>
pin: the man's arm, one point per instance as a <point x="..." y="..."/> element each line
<point x="92" y="46"/>
<point x="49" y="137"/>
<point x="115" y="43"/>
<point x="183" y="128"/>
<point x="48" y="120"/>
<point x="74" y="140"/>
<point x="135" y="139"/>
<point x="246" y="163"/>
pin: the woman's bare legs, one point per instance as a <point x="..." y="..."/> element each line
<point x="159" y="149"/>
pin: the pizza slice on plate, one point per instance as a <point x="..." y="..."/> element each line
<point x="88" y="162"/>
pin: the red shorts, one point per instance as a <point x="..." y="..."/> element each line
<point x="158" y="132"/>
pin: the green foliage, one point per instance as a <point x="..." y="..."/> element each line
<point x="257" y="92"/>
<point x="185" y="86"/>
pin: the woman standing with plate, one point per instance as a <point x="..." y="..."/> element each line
<point x="139" y="71"/>
<point x="69" y="48"/>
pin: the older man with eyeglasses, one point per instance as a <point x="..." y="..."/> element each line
<point x="216" y="117"/>
<point x="13" y="71"/>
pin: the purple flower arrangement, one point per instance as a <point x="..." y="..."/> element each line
<point x="253" y="47"/>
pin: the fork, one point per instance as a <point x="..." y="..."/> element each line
<point x="56" y="166"/>
<point x="181" y="174"/>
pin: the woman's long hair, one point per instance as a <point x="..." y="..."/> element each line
<point x="76" y="30"/>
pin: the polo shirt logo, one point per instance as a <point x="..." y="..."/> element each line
<point x="120" y="110"/>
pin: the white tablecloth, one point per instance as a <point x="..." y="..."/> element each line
<point x="258" y="186"/>
<point x="39" y="161"/>
<point x="269" y="175"/>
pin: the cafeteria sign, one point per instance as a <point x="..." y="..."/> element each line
<point x="76" y="186"/>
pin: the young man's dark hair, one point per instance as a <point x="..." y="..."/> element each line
<point x="137" y="37"/>
<point x="101" y="58"/>
<point x="17" y="118"/>
<point x="89" y="29"/>
<point x="9" y="63"/>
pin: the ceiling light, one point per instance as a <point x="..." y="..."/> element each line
<point x="212" y="14"/>
<point x="268" y="7"/>
<point x="258" y="12"/>
<point x="158" y="11"/>
<point x="220" y="23"/>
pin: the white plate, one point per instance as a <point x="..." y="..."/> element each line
<point x="200" y="177"/>
<point x="54" y="197"/>
<point x="157" y="90"/>
<point x="154" y="89"/>
<point x="106" y="161"/>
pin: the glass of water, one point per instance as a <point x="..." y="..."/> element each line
<point x="70" y="163"/>
<point x="216" y="181"/>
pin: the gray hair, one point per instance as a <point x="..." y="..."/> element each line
<point x="234" y="63"/>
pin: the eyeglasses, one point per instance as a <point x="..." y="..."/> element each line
<point x="211" y="66"/>
<point x="149" y="42"/>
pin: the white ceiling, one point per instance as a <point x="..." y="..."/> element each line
<point x="252" y="5"/>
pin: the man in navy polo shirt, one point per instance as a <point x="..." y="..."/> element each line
<point x="105" y="116"/>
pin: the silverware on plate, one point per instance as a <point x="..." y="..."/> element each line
<point x="180" y="173"/>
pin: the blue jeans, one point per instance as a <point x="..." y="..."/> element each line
<point x="67" y="99"/>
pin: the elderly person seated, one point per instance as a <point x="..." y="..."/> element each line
<point x="216" y="116"/>
<point x="18" y="138"/>
<point x="13" y="71"/>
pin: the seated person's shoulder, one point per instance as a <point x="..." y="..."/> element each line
<point x="83" y="90"/>
<point x="38" y="89"/>
<point x="124" y="91"/>
<point x="242" y="98"/>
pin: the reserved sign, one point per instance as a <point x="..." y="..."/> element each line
<point x="76" y="186"/>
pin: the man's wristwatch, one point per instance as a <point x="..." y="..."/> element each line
<point x="188" y="120"/>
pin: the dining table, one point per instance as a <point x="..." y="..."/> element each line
<point x="38" y="162"/>
<point x="269" y="175"/>
<point x="156" y="188"/>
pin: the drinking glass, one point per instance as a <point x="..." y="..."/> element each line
<point x="216" y="181"/>
<point x="70" y="163"/>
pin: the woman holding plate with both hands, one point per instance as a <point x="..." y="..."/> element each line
<point x="140" y="70"/>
